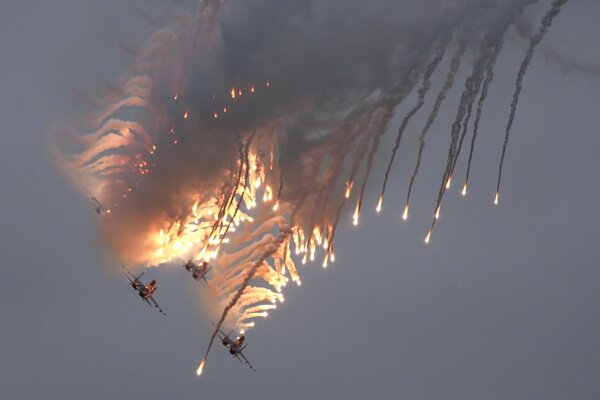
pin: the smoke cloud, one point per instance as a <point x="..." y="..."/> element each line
<point x="241" y="131"/>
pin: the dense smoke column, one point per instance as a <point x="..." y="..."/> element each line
<point x="533" y="42"/>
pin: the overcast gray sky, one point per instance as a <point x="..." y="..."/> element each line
<point x="501" y="305"/>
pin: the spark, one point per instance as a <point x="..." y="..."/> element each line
<point x="349" y="185"/>
<point x="405" y="213"/>
<point x="201" y="367"/>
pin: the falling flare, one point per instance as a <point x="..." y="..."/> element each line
<point x="233" y="93"/>
<point x="186" y="114"/>
<point x="437" y="212"/>
<point x="448" y="183"/>
<point x="496" y="199"/>
<point x="201" y="367"/>
<point x="428" y="236"/>
<point x="378" y="209"/>
<point x="176" y="96"/>
<point x="349" y="189"/>
<point x="464" y="191"/>
<point x="356" y="215"/>
<point x="405" y="213"/>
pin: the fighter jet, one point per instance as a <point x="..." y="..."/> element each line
<point x="97" y="206"/>
<point x="235" y="347"/>
<point x="198" y="271"/>
<point x="144" y="291"/>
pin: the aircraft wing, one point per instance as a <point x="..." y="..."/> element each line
<point x="156" y="305"/>
<point x="204" y="275"/>
<point x="220" y="332"/>
<point x="240" y="354"/>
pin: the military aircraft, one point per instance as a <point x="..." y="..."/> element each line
<point x="97" y="206"/>
<point x="144" y="291"/>
<point x="235" y="347"/>
<point x="198" y="271"/>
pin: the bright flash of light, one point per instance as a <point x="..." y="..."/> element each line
<point x="201" y="367"/>
<point x="405" y="213"/>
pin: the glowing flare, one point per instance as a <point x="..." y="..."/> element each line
<point x="378" y="209"/>
<point x="186" y="114"/>
<point x="356" y="215"/>
<point x="215" y="115"/>
<point x="448" y="183"/>
<point x="176" y="96"/>
<point x="496" y="199"/>
<point x="428" y="236"/>
<point x="201" y="367"/>
<point x="349" y="188"/>
<point x="464" y="191"/>
<point x="276" y="206"/>
<point x="233" y="93"/>
<point x="252" y="89"/>
<point x="405" y="213"/>
<point x="437" y="212"/>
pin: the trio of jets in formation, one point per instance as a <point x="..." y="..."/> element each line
<point x="146" y="292"/>
<point x="199" y="271"/>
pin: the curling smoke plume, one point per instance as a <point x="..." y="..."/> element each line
<point x="240" y="131"/>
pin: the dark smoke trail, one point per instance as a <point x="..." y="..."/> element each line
<point x="454" y="66"/>
<point x="246" y="183"/>
<point x="431" y="67"/>
<point x="486" y="83"/>
<point x="489" y="50"/>
<point x="281" y="238"/>
<point x="382" y="127"/>
<point x="533" y="42"/>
